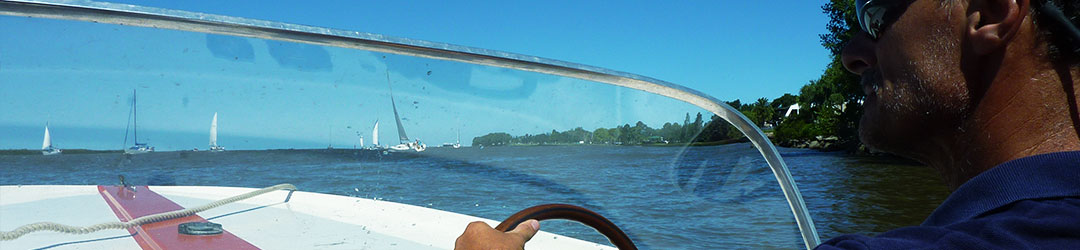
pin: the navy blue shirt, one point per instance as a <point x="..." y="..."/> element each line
<point x="1027" y="203"/>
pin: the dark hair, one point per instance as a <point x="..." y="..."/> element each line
<point x="1063" y="43"/>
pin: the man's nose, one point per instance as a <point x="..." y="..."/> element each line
<point x="858" y="54"/>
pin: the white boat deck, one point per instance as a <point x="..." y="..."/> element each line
<point x="307" y="221"/>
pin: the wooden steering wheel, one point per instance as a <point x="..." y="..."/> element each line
<point x="574" y="213"/>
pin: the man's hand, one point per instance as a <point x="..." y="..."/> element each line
<point x="478" y="235"/>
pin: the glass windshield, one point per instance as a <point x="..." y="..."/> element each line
<point x="485" y="141"/>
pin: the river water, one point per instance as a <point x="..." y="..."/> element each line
<point x="663" y="197"/>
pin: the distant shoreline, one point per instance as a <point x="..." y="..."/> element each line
<point x="693" y="144"/>
<point x="95" y="151"/>
<point x="66" y="151"/>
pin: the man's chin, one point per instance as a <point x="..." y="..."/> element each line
<point x="868" y="139"/>
<point x="893" y="140"/>
<point x="872" y="135"/>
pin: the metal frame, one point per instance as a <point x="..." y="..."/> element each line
<point x="131" y="15"/>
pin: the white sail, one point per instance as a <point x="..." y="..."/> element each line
<point x="402" y="137"/>
<point x="375" y="135"/>
<point x="47" y="143"/>
<point x="213" y="131"/>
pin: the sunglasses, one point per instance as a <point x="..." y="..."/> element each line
<point x="875" y="15"/>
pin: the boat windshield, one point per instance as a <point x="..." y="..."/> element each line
<point x="165" y="107"/>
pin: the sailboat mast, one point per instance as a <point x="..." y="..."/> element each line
<point x="135" y="110"/>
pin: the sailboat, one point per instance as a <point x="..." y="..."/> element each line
<point x="46" y="145"/>
<point x="403" y="139"/>
<point x="375" y="135"/>
<point x="139" y="148"/>
<point x="456" y="144"/>
<point x="213" y="136"/>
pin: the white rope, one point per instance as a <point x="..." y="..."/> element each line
<point x="56" y="227"/>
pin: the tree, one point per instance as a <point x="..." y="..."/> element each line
<point x="616" y="134"/>
<point x="624" y="134"/>
<point x="841" y="20"/>
<point x="695" y="128"/>
<point x="493" y="139"/>
<point x="672" y="131"/>
<point x="781" y="104"/>
<point x="844" y="90"/>
<point x="686" y="135"/>
<point x="831" y="104"/>
<point x="761" y="111"/>
<point x="601" y="135"/>
<point x="717" y="129"/>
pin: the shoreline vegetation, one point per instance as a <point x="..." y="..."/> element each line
<point x="823" y="116"/>
<point x="695" y="132"/>
<point x="66" y="151"/>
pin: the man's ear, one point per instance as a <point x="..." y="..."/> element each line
<point x="992" y="23"/>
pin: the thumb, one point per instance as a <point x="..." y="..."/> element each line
<point x="526" y="230"/>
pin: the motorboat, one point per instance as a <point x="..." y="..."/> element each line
<point x="282" y="79"/>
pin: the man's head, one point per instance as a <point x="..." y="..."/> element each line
<point x="946" y="78"/>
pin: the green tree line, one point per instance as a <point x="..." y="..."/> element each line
<point x="830" y="106"/>
<point x="694" y="129"/>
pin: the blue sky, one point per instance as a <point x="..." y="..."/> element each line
<point x="727" y="49"/>
<point x="280" y="95"/>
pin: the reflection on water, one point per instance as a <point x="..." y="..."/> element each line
<point x="865" y="195"/>
<point x="664" y="197"/>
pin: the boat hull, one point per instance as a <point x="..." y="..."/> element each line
<point x="308" y="220"/>
<point x="137" y="151"/>
<point x="407" y="148"/>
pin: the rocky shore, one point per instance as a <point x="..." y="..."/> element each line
<point x="831" y="143"/>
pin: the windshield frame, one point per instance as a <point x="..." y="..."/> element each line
<point x="131" y="15"/>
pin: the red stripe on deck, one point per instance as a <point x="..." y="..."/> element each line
<point x="129" y="205"/>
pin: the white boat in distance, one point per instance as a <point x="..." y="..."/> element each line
<point x="139" y="148"/>
<point x="405" y="144"/>
<point x="456" y="144"/>
<point x="214" y="147"/>
<point x="46" y="145"/>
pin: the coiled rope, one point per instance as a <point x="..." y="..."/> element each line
<point x="57" y="227"/>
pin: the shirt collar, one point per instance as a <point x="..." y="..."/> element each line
<point x="1042" y="176"/>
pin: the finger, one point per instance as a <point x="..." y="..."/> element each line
<point x="472" y="232"/>
<point x="526" y="230"/>
<point x="477" y="225"/>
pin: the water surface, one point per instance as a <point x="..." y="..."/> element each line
<point x="664" y="197"/>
